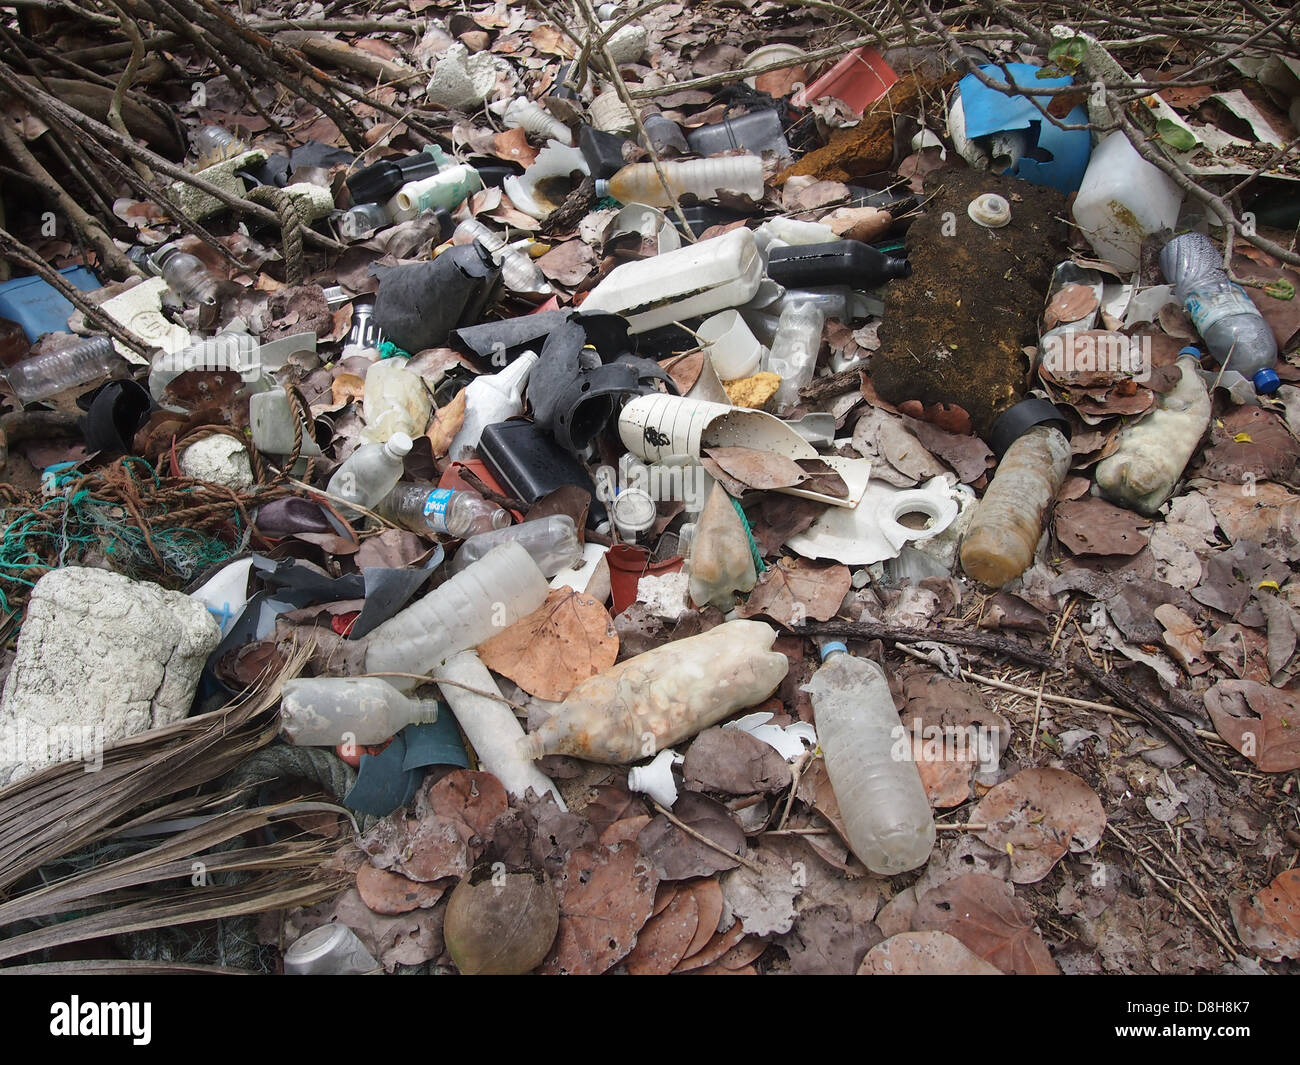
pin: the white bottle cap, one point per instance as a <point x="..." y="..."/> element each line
<point x="399" y="445"/>
<point x="990" y="211"/>
<point x="634" y="512"/>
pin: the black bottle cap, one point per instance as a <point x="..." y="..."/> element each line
<point x="1017" y="420"/>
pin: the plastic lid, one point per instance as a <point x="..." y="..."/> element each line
<point x="990" y="211"/>
<point x="1017" y="420"/>
<point x="399" y="445"/>
<point x="602" y="188"/>
<point x="1266" y="382"/>
<point x="315" y="945"/>
<point x="832" y="647"/>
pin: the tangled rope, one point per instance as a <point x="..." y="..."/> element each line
<point x="292" y="223"/>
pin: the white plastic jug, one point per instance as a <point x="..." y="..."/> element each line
<point x="1122" y="199"/>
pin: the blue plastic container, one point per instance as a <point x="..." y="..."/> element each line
<point x="38" y="306"/>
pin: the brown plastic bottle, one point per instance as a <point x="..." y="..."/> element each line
<point x="999" y="546"/>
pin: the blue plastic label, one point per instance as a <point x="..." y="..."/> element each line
<point x="1218" y="303"/>
<point x="435" y="509"/>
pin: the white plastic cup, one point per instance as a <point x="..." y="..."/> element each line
<point x="733" y="348"/>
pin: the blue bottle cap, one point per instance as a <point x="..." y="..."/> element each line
<point x="1266" y="382"/>
<point x="831" y="647"/>
<point x="1192" y="350"/>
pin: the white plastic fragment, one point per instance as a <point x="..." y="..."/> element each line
<point x="789" y="741"/>
<point x="656" y="778"/>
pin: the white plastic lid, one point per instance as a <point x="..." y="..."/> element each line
<point x="399" y="445"/>
<point x="317" y="944"/>
<point x="990" y="211"/>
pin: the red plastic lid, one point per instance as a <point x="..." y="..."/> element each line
<point x="859" y="79"/>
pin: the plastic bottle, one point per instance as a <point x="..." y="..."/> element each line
<point x="1153" y="451"/>
<point x="757" y="132"/>
<point x="371" y="471"/>
<point x="518" y="270"/>
<point x="1233" y="329"/>
<point x="480" y="601"/>
<point x="448" y="188"/>
<point x="733" y="349"/>
<point x="491" y="726"/>
<point x="999" y="545"/>
<point x="492" y="398"/>
<point x="191" y="281"/>
<point x="213" y="143"/>
<point x="327" y="711"/>
<point x="710" y="275"/>
<point x="837" y="262"/>
<point x="396" y="400"/>
<point x="529" y="115"/>
<point x="721" y="563"/>
<point x="551" y="542"/>
<point x="638" y="707"/>
<point x="663" y="134"/>
<point x="426" y="508"/>
<point x="794" y="351"/>
<point x="1122" y="199"/>
<point x="359" y="222"/>
<point x="869" y="761"/>
<point x="378" y="181"/>
<point x="48" y="374"/>
<point x="703" y="178"/>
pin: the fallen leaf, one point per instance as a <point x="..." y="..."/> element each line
<point x="925" y="954"/>
<point x="1269" y="924"/>
<point x="347" y="386"/>
<point x="512" y="145"/>
<point x="676" y="855"/>
<point x="795" y="590"/>
<point x="548" y="39"/>
<point x="1095" y="527"/>
<point x="475" y="798"/>
<point x="1182" y="636"/>
<point x="565" y="641"/>
<point x="708" y="896"/>
<point x="569" y="263"/>
<point x="664" y="940"/>
<point x="779" y="84"/>
<point x="733" y="763"/>
<point x="763" y="470"/>
<point x="984" y="913"/>
<point x="1073" y="302"/>
<point x="606" y="895"/>
<point x="827" y="941"/>
<point x="447" y="422"/>
<point x="715" y="949"/>
<point x="763" y="900"/>
<point x="1271" y="738"/>
<point x="391" y="893"/>
<point x="1039" y="816"/>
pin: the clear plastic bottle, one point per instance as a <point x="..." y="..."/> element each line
<point x="186" y="275"/>
<point x="868" y="756"/>
<point x="426" y="508"/>
<point x="638" y="707"/>
<point x="703" y="178"/>
<point x="48" y="374"/>
<point x="330" y="950"/>
<point x="371" y="471"/>
<point x="359" y="222"/>
<point x="663" y="134"/>
<point x="327" y="711"/>
<point x="1153" y="451"/>
<point x="489" y="399"/>
<point x="999" y="545"/>
<point x="551" y="542"/>
<point x="529" y="115"/>
<point x="794" y="350"/>
<point x="518" y="270"/>
<point x="491" y="726"/>
<point x="213" y="143"/>
<point x="480" y="601"/>
<point x="721" y="563"/>
<point x="1226" y="317"/>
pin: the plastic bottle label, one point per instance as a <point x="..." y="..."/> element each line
<point x="435" y="509"/>
<point x="1218" y="303"/>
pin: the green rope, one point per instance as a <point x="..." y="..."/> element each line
<point x="389" y="350"/>
<point x="759" y="564"/>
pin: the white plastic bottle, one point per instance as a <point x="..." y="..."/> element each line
<point x="448" y="188"/>
<point x="518" y="270"/>
<point x="869" y="761"/>
<point x="711" y="275"/>
<point x="491" y="726"/>
<point x="426" y="508"/>
<point x="499" y="589"/>
<point x="703" y="178"/>
<point x="371" y="471"/>
<point x="1122" y="199"/>
<point x="529" y="115"/>
<point x="551" y="542"/>
<point x="1226" y="317"/>
<point x="638" y="707"/>
<point x="492" y="398"/>
<point x="327" y="711"/>
<point x="1154" y="450"/>
<point x="794" y="350"/>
